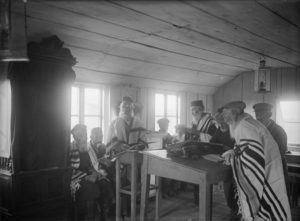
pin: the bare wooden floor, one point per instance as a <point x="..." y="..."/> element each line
<point x="182" y="208"/>
<point x="177" y="208"/>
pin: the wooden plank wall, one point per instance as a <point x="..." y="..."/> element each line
<point x="285" y="85"/>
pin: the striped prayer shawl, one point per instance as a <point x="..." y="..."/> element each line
<point x="205" y="127"/>
<point x="74" y="156"/>
<point x="258" y="173"/>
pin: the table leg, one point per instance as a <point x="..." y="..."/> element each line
<point x="205" y="195"/>
<point x="145" y="180"/>
<point x="118" y="186"/>
<point x="133" y="187"/>
<point x="157" y="196"/>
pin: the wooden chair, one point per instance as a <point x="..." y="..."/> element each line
<point x="134" y="159"/>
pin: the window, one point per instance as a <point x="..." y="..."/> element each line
<point x="288" y="117"/>
<point x="167" y="106"/>
<point x="87" y="107"/>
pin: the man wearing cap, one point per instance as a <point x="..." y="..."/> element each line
<point x="163" y="124"/>
<point x="203" y="127"/>
<point x="125" y="127"/>
<point x="257" y="167"/>
<point x="222" y="136"/>
<point x="263" y="113"/>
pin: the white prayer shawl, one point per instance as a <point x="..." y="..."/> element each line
<point x="128" y="133"/>
<point x="203" y="125"/>
<point x="258" y="172"/>
<point x="93" y="157"/>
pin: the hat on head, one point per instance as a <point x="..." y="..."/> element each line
<point x="262" y="107"/>
<point x="163" y="121"/>
<point x="235" y="104"/>
<point x="127" y="98"/>
<point x="197" y="103"/>
<point x="220" y="110"/>
<point x="96" y="130"/>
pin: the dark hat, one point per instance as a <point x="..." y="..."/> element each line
<point x="163" y="121"/>
<point x="220" y="110"/>
<point x="198" y="103"/>
<point x="127" y="98"/>
<point x="262" y="107"/>
<point x="235" y="104"/>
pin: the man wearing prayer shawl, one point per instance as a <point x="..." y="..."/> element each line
<point x="125" y="127"/>
<point x="257" y="167"/>
<point x="203" y="126"/>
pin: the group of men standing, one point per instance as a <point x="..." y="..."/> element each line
<point x="255" y="151"/>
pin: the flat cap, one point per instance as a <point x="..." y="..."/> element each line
<point x="127" y="98"/>
<point x="197" y="103"/>
<point x="235" y="104"/>
<point x="262" y="107"/>
<point x="220" y="110"/>
<point x="163" y="121"/>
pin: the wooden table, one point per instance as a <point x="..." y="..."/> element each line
<point x="201" y="172"/>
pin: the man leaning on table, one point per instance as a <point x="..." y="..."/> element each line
<point x="203" y="128"/>
<point x="257" y="167"/>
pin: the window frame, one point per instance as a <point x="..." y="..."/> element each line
<point x="280" y="120"/>
<point x="81" y="114"/>
<point x="165" y="114"/>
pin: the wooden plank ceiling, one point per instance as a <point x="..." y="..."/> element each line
<point x="183" y="45"/>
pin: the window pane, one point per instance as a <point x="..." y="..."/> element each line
<point x="74" y="121"/>
<point x="156" y="124"/>
<point x="171" y="105"/>
<point x="178" y="106"/>
<point x="90" y="123"/>
<point x="172" y="125"/>
<point x="91" y="101"/>
<point x="292" y="131"/>
<point x="159" y="104"/>
<point x="75" y="101"/>
<point x="290" y="111"/>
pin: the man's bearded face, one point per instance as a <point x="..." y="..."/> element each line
<point x="126" y="108"/>
<point x="228" y="116"/>
<point x="196" y="113"/>
<point x="97" y="137"/>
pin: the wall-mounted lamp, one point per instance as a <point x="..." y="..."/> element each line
<point x="262" y="79"/>
<point x="13" y="42"/>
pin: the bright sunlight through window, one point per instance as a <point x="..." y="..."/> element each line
<point x="289" y="119"/>
<point x="167" y="106"/>
<point x="87" y="107"/>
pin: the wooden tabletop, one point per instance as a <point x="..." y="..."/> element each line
<point x="200" y="164"/>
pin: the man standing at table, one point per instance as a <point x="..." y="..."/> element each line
<point x="263" y="113"/>
<point x="257" y="167"/>
<point x="203" y="128"/>
<point x="125" y="128"/>
<point x="123" y="132"/>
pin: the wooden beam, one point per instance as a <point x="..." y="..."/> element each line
<point x="165" y="44"/>
<point x="120" y="48"/>
<point x="95" y="76"/>
<point x="198" y="23"/>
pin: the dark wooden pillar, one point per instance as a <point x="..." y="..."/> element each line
<point x="38" y="177"/>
